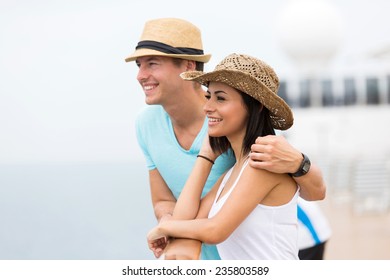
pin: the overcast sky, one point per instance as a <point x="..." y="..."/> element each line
<point x="66" y="93"/>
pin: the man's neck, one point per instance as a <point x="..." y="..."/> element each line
<point x="187" y="118"/>
<point x="187" y="110"/>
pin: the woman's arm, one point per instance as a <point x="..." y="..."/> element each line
<point x="189" y="249"/>
<point x="188" y="202"/>
<point x="183" y="249"/>
<point x="187" y="205"/>
<point x="241" y="202"/>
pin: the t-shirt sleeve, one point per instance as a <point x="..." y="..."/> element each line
<point x="142" y="137"/>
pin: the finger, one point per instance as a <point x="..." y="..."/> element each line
<point x="270" y="140"/>
<point x="258" y="148"/>
<point x="152" y="246"/>
<point x="161" y="242"/>
<point x="258" y="164"/>
<point x="155" y="244"/>
<point x="157" y="254"/>
<point x="264" y="140"/>
<point x="255" y="156"/>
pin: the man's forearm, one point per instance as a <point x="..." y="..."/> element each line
<point x="164" y="209"/>
<point x="312" y="184"/>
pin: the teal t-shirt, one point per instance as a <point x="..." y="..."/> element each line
<point x="157" y="140"/>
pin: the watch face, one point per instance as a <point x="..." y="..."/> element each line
<point x="306" y="167"/>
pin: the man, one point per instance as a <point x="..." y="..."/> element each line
<point x="171" y="132"/>
<point x="314" y="231"/>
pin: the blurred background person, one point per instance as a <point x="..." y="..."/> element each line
<point x="313" y="230"/>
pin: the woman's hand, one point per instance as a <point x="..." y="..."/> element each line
<point x="157" y="241"/>
<point x="206" y="150"/>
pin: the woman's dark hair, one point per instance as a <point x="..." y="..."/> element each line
<point x="199" y="66"/>
<point x="258" y="124"/>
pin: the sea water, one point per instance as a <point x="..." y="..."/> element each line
<point x="75" y="211"/>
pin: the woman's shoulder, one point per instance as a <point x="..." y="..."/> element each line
<point x="280" y="187"/>
<point x="265" y="177"/>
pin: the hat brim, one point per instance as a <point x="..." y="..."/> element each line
<point x="149" y="52"/>
<point x="281" y="114"/>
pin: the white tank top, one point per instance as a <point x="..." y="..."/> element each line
<point x="268" y="233"/>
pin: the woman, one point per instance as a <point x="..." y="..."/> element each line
<point x="249" y="213"/>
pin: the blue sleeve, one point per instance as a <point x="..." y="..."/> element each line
<point x="141" y="138"/>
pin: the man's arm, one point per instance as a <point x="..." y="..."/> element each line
<point x="190" y="249"/>
<point x="162" y="198"/>
<point x="275" y="154"/>
<point x="312" y="184"/>
<point x="187" y="208"/>
<point x="163" y="204"/>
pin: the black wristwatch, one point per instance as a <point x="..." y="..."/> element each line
<point x="304" y="168"/>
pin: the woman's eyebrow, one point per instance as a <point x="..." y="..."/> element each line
<point x="216" y="92"/>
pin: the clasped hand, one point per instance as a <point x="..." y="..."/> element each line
<point x="157" y="241"/>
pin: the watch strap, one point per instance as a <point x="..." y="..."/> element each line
<point x="303" y="168"/>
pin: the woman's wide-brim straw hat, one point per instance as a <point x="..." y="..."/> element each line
<point x="170" y="37"/>
<point x="253" y="77"/>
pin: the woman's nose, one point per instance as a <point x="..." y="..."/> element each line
<point x="208" y="106"/>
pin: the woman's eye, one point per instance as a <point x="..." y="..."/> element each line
<point x="207" y="96"/>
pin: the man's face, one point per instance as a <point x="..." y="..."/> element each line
<point x="159" y="78"/>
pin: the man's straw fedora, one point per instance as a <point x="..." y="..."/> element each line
<point x="253" y="77"/>
<point x="170" y="37"/>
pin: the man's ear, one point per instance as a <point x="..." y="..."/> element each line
<point x="190" y="65"/>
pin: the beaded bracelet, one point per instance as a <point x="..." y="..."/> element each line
<point x="206" y="158"/>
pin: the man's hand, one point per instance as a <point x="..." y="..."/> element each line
<point x="275" y="154"/>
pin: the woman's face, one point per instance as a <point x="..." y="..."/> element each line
<point x="226" y="111"/>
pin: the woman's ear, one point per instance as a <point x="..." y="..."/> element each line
<point x="261" y="107"/>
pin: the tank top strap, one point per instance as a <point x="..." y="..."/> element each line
<point x="222" y="186"/>
<point x="239" y="175"/>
